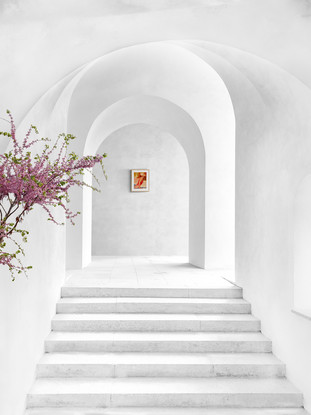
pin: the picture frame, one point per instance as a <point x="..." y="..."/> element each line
<point x="140" y="180"/>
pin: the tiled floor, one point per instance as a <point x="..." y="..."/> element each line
<point x="148" y="271"/>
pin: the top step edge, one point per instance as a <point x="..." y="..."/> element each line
<point x="228" y="292"/>
<point x="162" y="299"/>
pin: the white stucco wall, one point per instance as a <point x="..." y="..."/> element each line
<point x="302" y="247"/>
<point x="148" y="223"/>
<point x="271" y="168"/>
<point x="26" y="308"/>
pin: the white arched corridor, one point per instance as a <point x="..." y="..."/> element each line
<point x="238" y="119"/>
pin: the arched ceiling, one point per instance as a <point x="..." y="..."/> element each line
<point x="232" y="98"/>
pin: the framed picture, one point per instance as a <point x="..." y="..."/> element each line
<point x="140" y="180"/>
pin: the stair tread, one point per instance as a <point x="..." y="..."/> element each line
<point x="153" y="317"/>
<point x="133" y="386"/>
<point x="166" y="411"/>
<point x="89" y="290"/>
<point x="160" y="358"/>
<point x="217" y="283"/>
<point x="152" y="300"/>
<point x="157" y="336"/>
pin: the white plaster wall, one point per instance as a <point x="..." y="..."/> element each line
<point x="26" y="308"/>
<point x="270" y="165"/>
<point x="147" y="223"/>
<point x="302" y="247"/>
<point x="28" y="304"/>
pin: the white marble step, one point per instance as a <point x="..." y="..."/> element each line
<point x="164" y="392"/>
<point x="166" y="411"/>
<point x="153" y="305"/>
<point x="155" y="322"/>
<point x="230" y="291"/>
<point x="159" y="365"/>
<point x="157" y="342"/>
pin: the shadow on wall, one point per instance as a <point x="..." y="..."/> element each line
<point x="302" y="248"/>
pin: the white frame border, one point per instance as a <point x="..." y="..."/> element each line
<point x="132" y="180"/>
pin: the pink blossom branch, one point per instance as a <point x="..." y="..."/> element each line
<point x="39" y="179"/>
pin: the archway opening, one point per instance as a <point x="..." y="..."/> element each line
<point x="168" y="117"/>
<point x="180" y="93"/>
<point x="154" y="223"/>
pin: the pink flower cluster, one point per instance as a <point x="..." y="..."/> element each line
<point x="43" y="179"/>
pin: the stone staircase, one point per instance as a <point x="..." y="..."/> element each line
<point x="159" y="351"/>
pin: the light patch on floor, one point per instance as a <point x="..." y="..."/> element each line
<point x="160" y="272"/>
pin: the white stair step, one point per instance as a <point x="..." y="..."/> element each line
<point x="166" y="411"/>
<point x="222" y="292"/>
<point x="164" y="392"/>
<point x="159" y="364"/>
<point x="153" y="305"/>
<point x="155" y="322"/>
<point x="157" y="342"/>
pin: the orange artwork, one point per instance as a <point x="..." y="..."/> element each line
<point x="139" y="180"/>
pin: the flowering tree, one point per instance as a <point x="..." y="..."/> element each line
<point x="43" y="179"/>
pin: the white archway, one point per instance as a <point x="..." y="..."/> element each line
<point x="176" y="75"/>
<point x="173" y="75"/>
<point x="168" y="117"/>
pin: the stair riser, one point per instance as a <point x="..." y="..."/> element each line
<point x="91" y="308"/>
<point x="158" y="370"/>
<point x="152" y="292"/>
<point x="253" y="400"/>
<point x="154" y="346"/>
<point x="161" y="325"/>
<point x="165" y="411"/>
